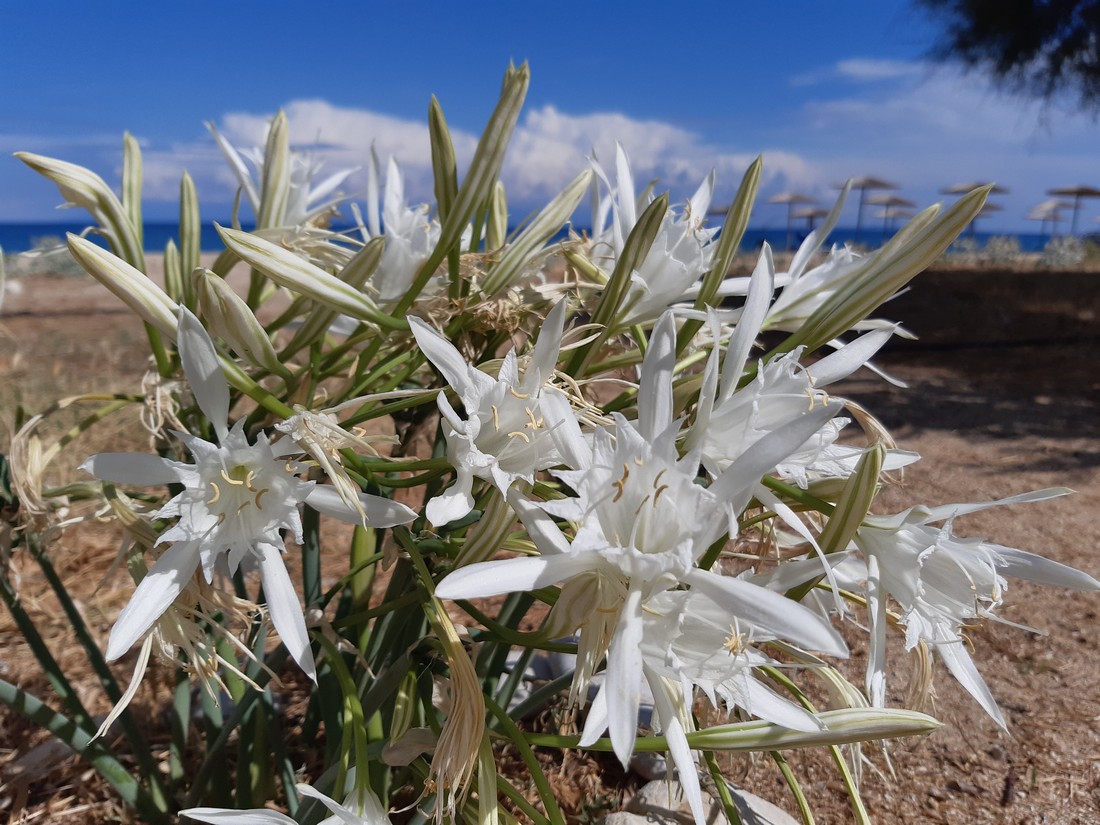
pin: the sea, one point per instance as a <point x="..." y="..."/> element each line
<point x="22" y="237"/>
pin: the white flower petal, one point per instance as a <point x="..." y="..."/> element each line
<point x="761" y="287"/>
<point x="542" y="529"/>
<point x="227" y="816"/>
<point x="203" y="370"/>
<point x="285" y="610"/>
<point x="769" y="451"/>
<point x="624" y="677"/>
<point x="785" y="618"/>
<point x="655" y="387"/>
<point x="544" y="357"/>
<point x="140" y="469"/>
<point x="1024" y="565"/>
<point x="380" y="511"/>
<point x="850" y="357"/>
<point x="443" y="355"/>
<point x="371" y="811"/>
<point x="153" y="595"/>
<point x="453" y="503"/>
<point x="492" y="578"/>
<point x="955" y="655"/>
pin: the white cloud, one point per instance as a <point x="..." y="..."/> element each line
<point x="548" y="149"/>
<point x="865" y="69"/>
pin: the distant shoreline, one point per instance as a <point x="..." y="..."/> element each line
<point x="23" y="237"/>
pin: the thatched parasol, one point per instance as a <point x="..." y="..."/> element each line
<point x="1077" y="193"/>
<point x="863" y="184"/>
<point x="791" y="199"/>
<point x="969" y="186"/>
<point x="890" y="213"/>
<point x="1049" y="210"/>
<point x="811" y="214"/>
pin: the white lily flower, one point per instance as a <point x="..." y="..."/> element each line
<point x="360" y="807"/>
<point x="514" y="426"/>
<point x="410" y="234"/>
<point x="942" y="582"/>
<point x="730" y="420"/>
<point x="681" y="252"/>
<point x="237" y="497"/>
<point x="642" y="523"/>
<point x="688" y="641"/>
<point x="308" y="202"/>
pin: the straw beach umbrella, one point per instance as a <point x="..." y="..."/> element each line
<point x="970" y="186"/>
<point x="889" y="214"/>
<point x="893" y="207"/>
<point x="1077" y="193"/>
<point x="811" y="214"/>
<point x="1049" y="210"/>
<point x="791" y="199"/>
<point x="863" y="184"/>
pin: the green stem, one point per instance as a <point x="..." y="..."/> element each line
<point x="527" y="754"/>
<point x="92" y="752"/>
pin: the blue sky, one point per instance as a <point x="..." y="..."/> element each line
<point x="823" y="90"/>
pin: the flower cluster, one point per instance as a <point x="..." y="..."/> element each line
<point x="588" y="428"/>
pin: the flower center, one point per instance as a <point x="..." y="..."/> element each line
<point x="235" y="490"/>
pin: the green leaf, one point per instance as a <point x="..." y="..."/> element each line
<point x="286" y="269"/>
<point x="444" y="166"/>
<point x="539" y="231"/>
<point x="131" y="183"/>
<point x="275" y="183"/>
<point x="912" y="250"/>
<point x="496" y="230"/>
<point x="479" y="180"/>
<point x="190" y="235"/>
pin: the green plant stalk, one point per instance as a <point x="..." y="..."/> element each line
<point x="92" y="752"/>
<point x="213" y="760"/>
<point x="355" y="723"/>
<point x="311" y="557"/>
<point x="512" y="637"/>
<point x="142" y="754"/>
<point x="729" y="807"/>
<point x="69" y="697"/>
<point x="527" y="754"/>
<point x="180" y="722"/>
<point x="804" y="809"/>
<point x="854" y="798"/>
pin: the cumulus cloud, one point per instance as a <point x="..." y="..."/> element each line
<point x="548" y="149"/>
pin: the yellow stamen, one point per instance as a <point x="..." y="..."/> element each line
<point x="259" y="496"/>
<point x="521" y="396"/>
<point x="230" y="480"/>
<point x="657" y="495"/>
<point x="217" y="493"/>
<point x="496" y="416"/>
<point x="518" y="434"/>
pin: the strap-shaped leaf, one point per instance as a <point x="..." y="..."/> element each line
<point x="190" y="234"/>
<point x="298" y="275"/>
<point x="538" y="232"/>
<point x="914" y="248"/>
<point x="131" y="184"/>
<point x="444" y="166"/>
<point x="88" y="190"/>
<point x="479" y="180"/>
<point x="637" y="246"/>
<point x="275" y="184"/>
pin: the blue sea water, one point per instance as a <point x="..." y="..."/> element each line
<point x="20" y="237"/>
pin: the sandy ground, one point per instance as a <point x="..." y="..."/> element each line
<point x="1003" y="397"/>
